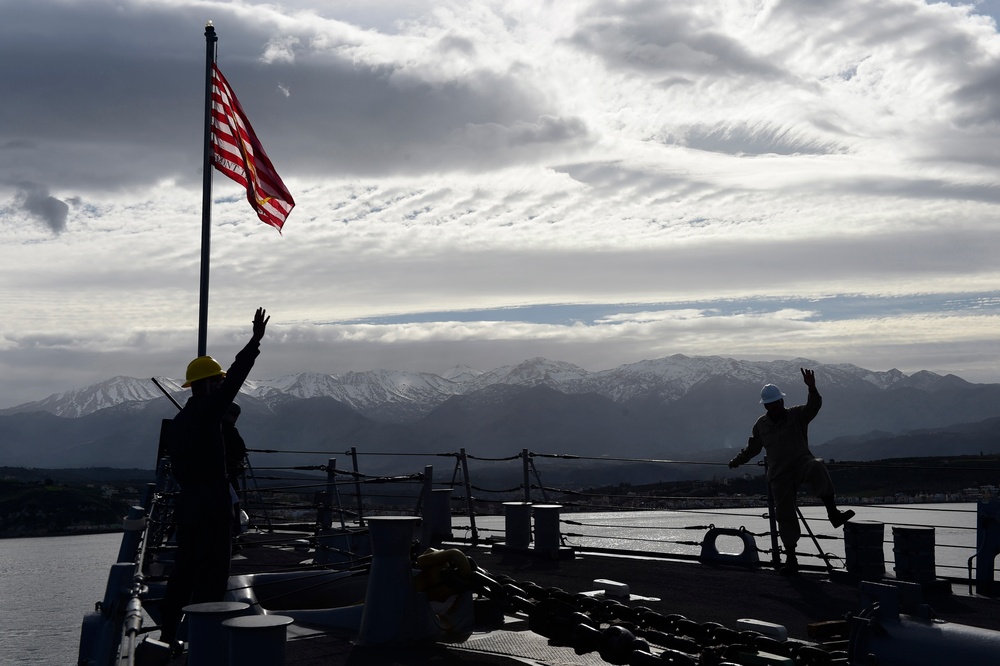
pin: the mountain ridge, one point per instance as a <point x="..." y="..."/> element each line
<point x="387" y="392"/>
<point x="677" y="406"/>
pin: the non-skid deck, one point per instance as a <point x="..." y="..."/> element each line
<point x="702" y="593"/>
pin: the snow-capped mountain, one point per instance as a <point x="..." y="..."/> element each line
<point x="404" y="396"/>
<point x="388" y="394"/>
<point x="531" y="373"/>
<point x="649" y="409"/>
<point x="89" y="399"/>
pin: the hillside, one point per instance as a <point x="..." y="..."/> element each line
<point x="39" y="502"/>
<point x="699" y="408"/>
<point x="34" y="503"/>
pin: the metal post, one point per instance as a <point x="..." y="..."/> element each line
<point x="260" y="496"/>
<point x="332" y="490"/>
<point x="206" y="193"/>
<point x="775" y="554"/>
<point x="324" y="516"/>
<point x="527" y="480"/>
<point x="822" y="554"/>
<point x="468" y="496"/>
<point x="357" y="487"/>
<point x="425" y="493"/>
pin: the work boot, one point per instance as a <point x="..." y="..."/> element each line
<point x="838" y="518"/>
<point x="790" y="567"/>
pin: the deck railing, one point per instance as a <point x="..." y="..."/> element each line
<point x="331" y="494"/>
<point x="323" y="507"/>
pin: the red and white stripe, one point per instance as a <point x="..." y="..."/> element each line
<point x="237" y="152"/>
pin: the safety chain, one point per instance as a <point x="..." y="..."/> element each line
<point x="513" y="457"/>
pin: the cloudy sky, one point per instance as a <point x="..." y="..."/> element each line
<point x="480" y="182"/>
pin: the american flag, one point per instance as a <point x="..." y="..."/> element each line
<point x="237" y="152"/>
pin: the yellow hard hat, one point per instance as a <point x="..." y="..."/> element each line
<point x="202" y="367"/>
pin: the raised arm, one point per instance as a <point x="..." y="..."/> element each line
<point x="815" y="400"/>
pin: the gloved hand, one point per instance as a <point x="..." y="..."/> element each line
<point x="734" y="463"/>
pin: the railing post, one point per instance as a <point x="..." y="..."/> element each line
<point x="527" y="479"/>
<point x="357" y="487"/>
<point x="468" y="496"/>
<point x="423" y="506"/>
<point x="332" y="490"/>
<point x="775" y="554"/>
<point x="324" y="516"/>
<point x="324" y="499"/>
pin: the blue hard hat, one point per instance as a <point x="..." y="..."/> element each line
<point x="770" y="393"/>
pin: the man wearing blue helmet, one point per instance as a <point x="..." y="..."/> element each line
<point x="784" y="433"/>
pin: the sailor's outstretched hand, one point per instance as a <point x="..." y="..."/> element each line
<point x="809" y="377"/>
<point x="260" y="320"/>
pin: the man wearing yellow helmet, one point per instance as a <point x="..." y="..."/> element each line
<point x="204" y="508"/>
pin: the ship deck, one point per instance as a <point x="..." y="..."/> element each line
<point x="814" y="607"/>
<point x="811" y="606"/>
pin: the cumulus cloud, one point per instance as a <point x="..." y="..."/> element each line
<point x="484" y="181"/>
<point x="280" y="50"/>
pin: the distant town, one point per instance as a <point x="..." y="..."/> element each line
<point x="37" y="502"/>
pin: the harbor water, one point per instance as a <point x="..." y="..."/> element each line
<point x="674" y="532"/>
<point x="48" y="583"/>
<point x="46" y="586"/>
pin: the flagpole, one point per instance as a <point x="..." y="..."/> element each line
<point x="206" y="193"/>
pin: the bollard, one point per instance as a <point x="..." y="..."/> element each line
<point x="392" y="611"/>
<point x="913" y="554"/>
<point x="517" y="524"/>
<point x="547" y="535"/>
<point x="437" y="519"/>
<point x="864" y="554"/>
<point x="207" y="642"/>
<point x="256" y="639"/>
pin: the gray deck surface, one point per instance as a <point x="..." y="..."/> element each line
<point x="725" y="593"/>
<point x="700" y="592"/>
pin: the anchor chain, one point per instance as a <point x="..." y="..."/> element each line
<point x="640" y="636"/>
